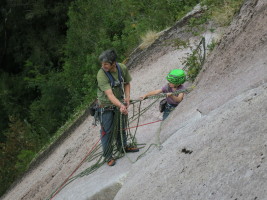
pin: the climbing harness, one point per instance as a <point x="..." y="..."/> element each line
<point x="163" y="102"/>
<point x="112" y="81"/>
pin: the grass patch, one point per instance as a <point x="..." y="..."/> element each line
<point x="224" y="13"/>
<point x="196" y="25"/>
<point x="148" y="38"/>
<point x="212" y="45"/>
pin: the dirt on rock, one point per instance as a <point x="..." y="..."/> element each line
<point x="213" y="146"/>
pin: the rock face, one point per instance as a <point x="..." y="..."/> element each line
<point x="213" y="145"/>
<point x="215" y="142"/>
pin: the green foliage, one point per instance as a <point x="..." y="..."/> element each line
<point x="15" y="97"/>
<point x="194" y="66"/>
<point x="23" y="160"/>
<point x="3" y="121"/>
<point x="212" y="45"/>
<point x="179" y="44"/>
<point x="195" y="60"/>
<point x="222" y="12"/>
<point x="31" y="55"/>
<point x="196" y="25"/>
<point x="219" y="11"/>
<point x="52" y="108"/>
<point x="17" y="151"/>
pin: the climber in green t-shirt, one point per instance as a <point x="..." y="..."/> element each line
<point x="113" y="95"/>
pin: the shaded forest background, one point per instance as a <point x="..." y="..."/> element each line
<point x="49" y="60"/>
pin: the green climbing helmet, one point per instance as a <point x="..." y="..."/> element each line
<point x="176" y="76"/>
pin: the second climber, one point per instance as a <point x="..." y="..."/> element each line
<point x="175" y="78"/>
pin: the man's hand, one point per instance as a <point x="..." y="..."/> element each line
<point x="116" y="102"/>
<point x="123" y="109"/>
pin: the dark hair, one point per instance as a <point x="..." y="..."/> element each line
<point x="109" y="56"/>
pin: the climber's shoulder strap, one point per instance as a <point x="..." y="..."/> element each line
<point x="119" y="72"/>
<point x="112" y="79"/>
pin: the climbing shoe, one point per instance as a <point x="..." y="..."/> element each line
<point x="111" y="162"/>
<point x="131" y="149"/>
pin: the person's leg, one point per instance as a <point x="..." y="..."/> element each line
<point x="106" y="121"/>
<point x="168" y="109"/>
<point x="121" y="136"/>
<point x="166" y="113"/>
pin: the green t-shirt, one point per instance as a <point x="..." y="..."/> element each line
<point x="104" y="84"/>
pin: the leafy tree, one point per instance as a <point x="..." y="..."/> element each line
<point x="32" y="36"/>
<point x="20" y="143"/>
<point x="52" y="109"/>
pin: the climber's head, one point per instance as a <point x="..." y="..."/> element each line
<point x="108" y="60"/>
<point x="176" y="77"/>
<point x="109" y="56"/>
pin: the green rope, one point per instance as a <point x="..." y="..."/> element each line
<point x="187" y="90"/>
